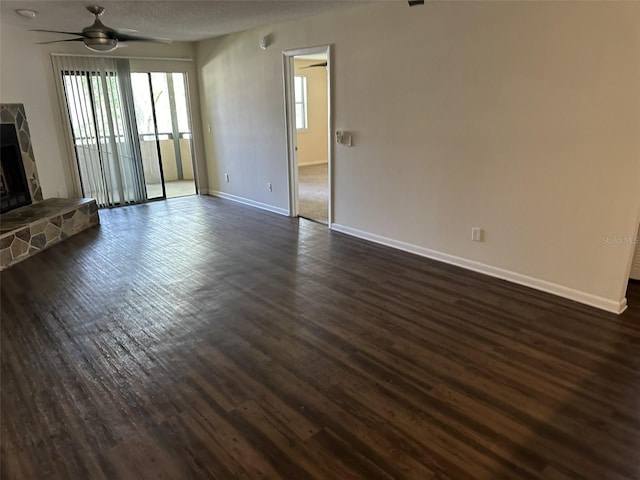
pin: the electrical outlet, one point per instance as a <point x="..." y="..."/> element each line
<point x="226" y="177"/>
<point x="476" y="234"/>
<point x="269" y="187"/>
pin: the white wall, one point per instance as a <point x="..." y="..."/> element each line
<point x="518" y="117"/>
<point x="23" y="74"/>
<point x="26" y="76"/>
<point x="241" y="99"/>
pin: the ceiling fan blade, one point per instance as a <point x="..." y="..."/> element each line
<point x="123" y="37"/>
<point x="79" y="39"/>
<point x="57" y="31"/>
<point x="98" y="36"/>
<point x="323" y="64"/>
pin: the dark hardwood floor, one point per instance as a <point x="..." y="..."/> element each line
<point x="197" y="338"/>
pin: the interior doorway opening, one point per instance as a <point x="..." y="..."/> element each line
<point x="308" y="100"/>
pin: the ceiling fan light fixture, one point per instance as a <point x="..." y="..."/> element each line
<point x="101" y="45"/>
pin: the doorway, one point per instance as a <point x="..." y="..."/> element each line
<point x="164" y="129"/>
<point x="308" y="100"/>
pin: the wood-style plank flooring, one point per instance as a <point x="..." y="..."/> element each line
<point x="197" y="338"/>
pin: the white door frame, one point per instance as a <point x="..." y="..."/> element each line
<point x="634" y="261"/>
<point x="290" y="120"/>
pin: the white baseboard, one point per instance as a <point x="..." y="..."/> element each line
<point x="543" y="285"/>
<point x="251" y="203"/>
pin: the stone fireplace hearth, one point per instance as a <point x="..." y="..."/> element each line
<point x="27" y="229"/>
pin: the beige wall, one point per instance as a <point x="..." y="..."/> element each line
<point x="517" y="117"/>
<point x="313" y="142"/>
<point x="26" y="76"/>
<point x="23" y="73"/>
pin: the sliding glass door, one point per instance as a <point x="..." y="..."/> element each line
<point x="164" y="128"/>
<point x="130" y="132"/>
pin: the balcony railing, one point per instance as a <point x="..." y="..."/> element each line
<point x="177" y="163"/>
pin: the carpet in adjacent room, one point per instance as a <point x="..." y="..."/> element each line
<point x="313" y="196"/>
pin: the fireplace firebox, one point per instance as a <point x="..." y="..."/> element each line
<point x="14" y="189"/>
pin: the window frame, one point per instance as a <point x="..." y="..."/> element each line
<point x="303" y="102"/>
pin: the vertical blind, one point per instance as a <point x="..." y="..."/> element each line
<point x="96" y="94"/>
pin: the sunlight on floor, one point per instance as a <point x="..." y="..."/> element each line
<point x="179" y="188"/>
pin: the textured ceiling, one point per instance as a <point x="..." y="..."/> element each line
<point x="179" y="20"/>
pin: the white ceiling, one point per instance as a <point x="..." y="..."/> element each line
<point x="179" y="20"/>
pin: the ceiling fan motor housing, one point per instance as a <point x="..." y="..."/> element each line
<point x="100" y="37"/>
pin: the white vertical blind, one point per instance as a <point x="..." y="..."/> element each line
<point x="103" y="137"/>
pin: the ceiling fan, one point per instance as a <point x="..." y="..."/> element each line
<point x="100" y="38"/>
<point x="322" y="64"/>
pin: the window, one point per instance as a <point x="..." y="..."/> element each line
<point x="300" y="84"/>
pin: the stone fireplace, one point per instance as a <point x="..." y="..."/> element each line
<point x="30" y="224"/>
<point x="16" y="147"/>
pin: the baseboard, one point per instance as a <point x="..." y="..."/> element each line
<point x="251" y="203"/>
<point x="543" y="285"/>
<point x="311" y="164"/>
